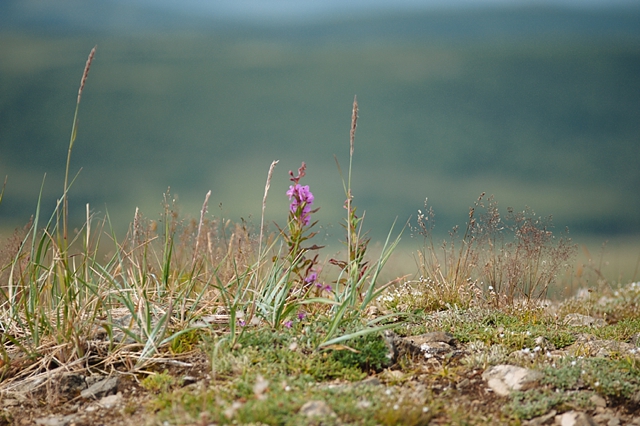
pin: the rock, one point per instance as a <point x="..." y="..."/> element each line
<point x="598" y="401"/>
<point x="579" y="320"/>
<point x="575" y="418"/>
<point x="71" y="385"/>
<point x="102" y="388"/>
<point x="110" y="401"/>
<point x="437" y="336"/>
<point x="316" y="409"/>
<point x="369" y="381"/>
<point x="55" y="420"/>
<point x="538" y="421"/>
<point x="503" y="379"/>
<point x="429" y="345"/>
<point x="93" y="379"/>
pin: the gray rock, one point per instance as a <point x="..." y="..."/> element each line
<point x="71" y="385"/>
<point x="503" y="379"/>
<point x="575" y="418"/>
<point x="55" y="420"/>
<point x="429" y="345"/>
<point x="369" y="381"/>
<point x="110" y="401"/>
<point x="538" y="421"/>
<point x="102" y="388"/>
<point x="93" y="379"/>
<point x="436" y="336"/>
<point x="317" y="408"/>
<point x="614" y="421"/>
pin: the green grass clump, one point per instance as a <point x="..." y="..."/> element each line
<point x="289" y="356"/>
<point x="369" y="353"/>
<point x="159" y="383"/>
<point x="514" y="330"/>
<point x="537" y="402"/>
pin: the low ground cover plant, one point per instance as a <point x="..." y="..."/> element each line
<point x="279" y="328"/>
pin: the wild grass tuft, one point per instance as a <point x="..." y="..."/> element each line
<point x="499" y="261"/>
<point x="170" y="280"/>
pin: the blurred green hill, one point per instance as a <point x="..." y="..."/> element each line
<point x="538" y="106"/>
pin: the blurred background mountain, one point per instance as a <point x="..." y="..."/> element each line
<point x="535" y="103"/>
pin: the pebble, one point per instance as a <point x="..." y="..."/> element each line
<point x="503" y="379"/>
<point x="575" y="418"/>
<point x="102" y="388"/>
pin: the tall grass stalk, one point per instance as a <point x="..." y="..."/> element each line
<point x="74" y="133"/>
<point x="356" y="286"/>
<point x="4" y="185"/>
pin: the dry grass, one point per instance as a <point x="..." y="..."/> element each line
<point x="497" y="261"/>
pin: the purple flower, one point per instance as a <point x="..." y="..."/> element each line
<point x="301" y="315"/>
<point x="300" y="193"/>
<point x="241" y="323"/>
<point x="327" y="288"/>
<point x="312" y="278"/>
<point x="288" y="324"/>
<point x="300" y="196"/>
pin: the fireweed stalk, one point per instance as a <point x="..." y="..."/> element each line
<point x="299" y="230"/>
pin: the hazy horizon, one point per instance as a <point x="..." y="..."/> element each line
<point x="537" y="106"/>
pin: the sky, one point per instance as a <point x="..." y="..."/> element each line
<point x="310" y="9"/>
